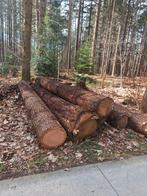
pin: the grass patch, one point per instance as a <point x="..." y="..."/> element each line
<point x="2" y="167"/>
<point x="38" y="161"/>
<point x="90" y="149"/>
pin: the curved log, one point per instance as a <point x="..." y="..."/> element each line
<point x="49" y="131"/>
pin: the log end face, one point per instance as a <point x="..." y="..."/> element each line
<point x="53" y="138"/>
<point x="122" y="122"/>
<point x="105" y="107"/>
<point x="86" y="129"/>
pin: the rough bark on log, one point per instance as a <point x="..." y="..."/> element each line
<point x="118" y="117"/>
<point x="144" y="102"/>
<point x="79" y="124"/>
<point x="121" y="117"/>
<point x="88" y="100"/>
<point x="49" y="131"/>
<point x="138" y="122"/>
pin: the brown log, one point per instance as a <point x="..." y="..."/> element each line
<point x="88" y="100"/>
<point x="121" y="117"/>
<point x="138" y="122"/>
<point x="144" y="102"/>
<point x="78" y="123"/>
<point x="49" y="131"/>
<point x="118" y="117"/>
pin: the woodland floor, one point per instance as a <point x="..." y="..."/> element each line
<point x="21" y="155"/>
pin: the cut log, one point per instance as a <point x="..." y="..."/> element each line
<point x="144" y="102"/>
<point x="79" y="124"/>
<point x="49" y="131"/>
<point x="118" y="117"/>
<point x="138" y="122"/>
<point x="121" y="117"/>
<point x="88" y="100"/>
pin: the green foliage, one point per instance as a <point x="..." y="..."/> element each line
<point x="10" y="65"/>
<point x="2" y="167"/>
<point x="51" y="41"/>
<point x="11" y="59"/>
<point x="5" y="69"/>
<point x="84" y="78"/>
<point x="46" y="64"/>
<point x="83" y="64"/>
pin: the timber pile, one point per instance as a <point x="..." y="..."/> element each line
<point x="59" y="110"/>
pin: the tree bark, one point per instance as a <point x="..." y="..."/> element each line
<point x="138" y="122"/>
<point x="68" y="57"/>
<point x="144" y="102"/>
<point x="78" y="40"/>
<point x="95" y="32"/>
<point x="79" y="124"/>
<point x="134" y="121"/>
<point x="88" y="100"/>
<point x="41" y="6"/>
<point x="50" y="133"/>
<point x="26" y="45"/>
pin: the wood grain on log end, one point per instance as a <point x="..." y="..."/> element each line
<point x="105" y="107"/>
<point x="50" y="139"/>
<point x="85" y="129"/>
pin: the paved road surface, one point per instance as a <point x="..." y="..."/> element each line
<point x="124" y="178"/>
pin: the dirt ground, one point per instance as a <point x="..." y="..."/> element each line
<point x="19" y="150"/>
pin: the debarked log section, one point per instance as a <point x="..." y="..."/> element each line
<point x="79" y="124"/>
<point x="49" y="131"/>
<point x="86" y="99"/>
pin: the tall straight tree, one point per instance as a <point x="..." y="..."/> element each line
<point x="95" y="32"/>
<point x="69" y="35"/>
<point x="42" y="4"/>
<point x="79" y="26"/>
<point x="26" y="41"/>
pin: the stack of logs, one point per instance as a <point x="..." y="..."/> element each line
<point x="59" y="110"/>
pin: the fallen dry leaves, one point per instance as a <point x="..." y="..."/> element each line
<point x="21" y="155"/>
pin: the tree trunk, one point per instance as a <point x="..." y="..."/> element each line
<point x="95" y="32"/>
<point x="88" y="100"/>
<point x="78" y="40"/>
<point x="68" y="54"/>
<point x="115" y="52"/>
<point x="90" y="17"/>
<point x="26" y="45"/>
<point x="78" y="124"/>
<point x="41" y="6"/>
<point x="50" y="133"/>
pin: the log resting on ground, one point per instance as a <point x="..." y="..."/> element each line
<point x="121" y="117"/>
<point x="118" y="117"/>
<point x="49" y="131"/>
<point x="144" y="102"/>
<point x="138" y="122"/>
<point x="79" y="124"/>
<point x="86" y="99"/>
